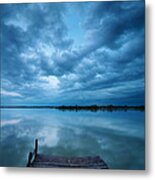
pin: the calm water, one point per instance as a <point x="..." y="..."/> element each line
<point x="118" y="137"/>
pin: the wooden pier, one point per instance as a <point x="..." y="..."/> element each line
<point x="43" y="161"/>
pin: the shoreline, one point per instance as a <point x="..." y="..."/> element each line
<point x="79" y="108"/>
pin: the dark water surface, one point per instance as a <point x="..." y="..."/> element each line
<point x="118" y="137"/>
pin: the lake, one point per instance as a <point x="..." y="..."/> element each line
<point x="117" y="137"/>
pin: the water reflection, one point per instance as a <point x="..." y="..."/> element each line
<point x="118" y="137"/>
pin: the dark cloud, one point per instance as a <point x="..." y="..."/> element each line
<point x="23" y="27"/>
<point x="108" y="22"/>
<point x="41" y="62"/>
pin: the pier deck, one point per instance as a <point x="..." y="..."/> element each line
<point x="43" y="161"/>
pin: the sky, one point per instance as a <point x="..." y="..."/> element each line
<point x="72" y="53"/>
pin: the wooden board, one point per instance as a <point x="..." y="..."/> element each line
<point x="44" y="161"/>
<point x="68" y="162"/>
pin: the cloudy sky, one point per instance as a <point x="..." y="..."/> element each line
<point x="72" y="53"/>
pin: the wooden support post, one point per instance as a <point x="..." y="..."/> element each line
<point x="36" y="147"/>
<point x="29" y="159"/>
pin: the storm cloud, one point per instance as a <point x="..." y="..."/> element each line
<point x="72" y="53"/>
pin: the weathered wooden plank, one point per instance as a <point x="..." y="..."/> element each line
<point x="61" y="165"/>
<point x="87" y="159"/>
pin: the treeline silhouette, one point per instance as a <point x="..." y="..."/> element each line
<point x="92" y="108"/>
<point x="100" y="108"/>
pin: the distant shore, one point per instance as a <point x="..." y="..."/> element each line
<point x="79" y="108"/>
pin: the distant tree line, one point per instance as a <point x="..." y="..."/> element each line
<point x="100" y="108"/>
<point x="92" y="108"/>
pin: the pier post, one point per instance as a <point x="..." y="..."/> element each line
<point x="29" y="159"/>
<point x="36" y="147"/>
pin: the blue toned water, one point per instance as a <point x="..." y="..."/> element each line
<point x="118" y="137"/>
